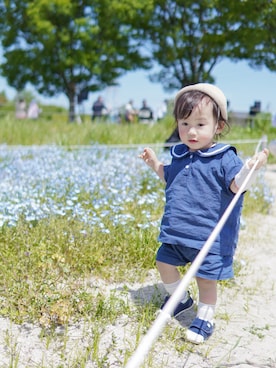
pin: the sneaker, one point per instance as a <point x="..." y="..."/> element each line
<point x="199" y="331"/>
<point x="181" y="307"/>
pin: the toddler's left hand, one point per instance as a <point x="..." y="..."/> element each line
<point x="261" y="157"/>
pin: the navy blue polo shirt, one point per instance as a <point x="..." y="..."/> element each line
<point x="197" y="194"/>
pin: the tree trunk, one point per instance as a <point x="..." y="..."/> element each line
<point x="72" y="103"/>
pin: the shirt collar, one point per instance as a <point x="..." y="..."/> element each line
<point x="181" y="150"/>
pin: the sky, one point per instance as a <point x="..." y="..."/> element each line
<point x="241" y="84"/>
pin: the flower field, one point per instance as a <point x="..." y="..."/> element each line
<point x="89" y="184"/>
<point x="69" y="215"/>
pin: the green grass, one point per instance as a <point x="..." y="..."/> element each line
<point x="28" y="132"/>
<point x="37" y="260"/>
<point x="59" y="131"/>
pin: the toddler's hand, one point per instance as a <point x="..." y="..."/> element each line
<point x="261" y="157"/>
<point x="152" y="161"/>
<point x="149" y="156"/>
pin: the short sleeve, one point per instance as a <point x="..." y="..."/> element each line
<point x="231" y="165"/>
<point x="166" y="172"/>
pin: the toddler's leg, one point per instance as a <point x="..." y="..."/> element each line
<point x="171" y="279"/>
<point x="168" y="273"/>
<point x="202" y="327"/>
<point x="207" y="290"/>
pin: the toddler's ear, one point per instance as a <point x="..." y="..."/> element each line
<point x="220" y="126"/>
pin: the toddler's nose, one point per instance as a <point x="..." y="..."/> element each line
<point x="192" y="132"/>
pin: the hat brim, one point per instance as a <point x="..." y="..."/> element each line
<point x="212" y="91"/>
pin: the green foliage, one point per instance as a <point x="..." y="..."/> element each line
<point x="199" y="34"/>
<point x="255" y="200"/>
<point x="3" y="98"/>
<point x="262" y="123"/>
<point x="263" y="54"/>
<point x="69" y="47"/>
<point x="52" y="128"/>
<point x="66" y="47"/>
<point x="42" y="264"/>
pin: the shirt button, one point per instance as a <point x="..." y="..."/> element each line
<point x="187" y="166"/>
<point x="191" y="156"/>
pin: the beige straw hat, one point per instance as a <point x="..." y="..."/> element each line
<point x="212" y="91"/>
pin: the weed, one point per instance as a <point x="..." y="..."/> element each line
<point x="260" y="332"/>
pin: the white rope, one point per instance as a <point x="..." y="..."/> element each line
<point x="262" y="143"/>
<point x="123" y="146"/>
<point x="165" y="314"/>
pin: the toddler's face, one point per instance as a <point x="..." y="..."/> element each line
<point x="199" y="129"/>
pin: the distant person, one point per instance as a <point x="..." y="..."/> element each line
<point x="20" y="109"/>
<point x="99" y="110"/>
<point x="162" y="110"/>
<point x="274" y="121"/>
<point x="33" y="110"/>
<point x="145" y="114"/>
<point x="130" y="112"/>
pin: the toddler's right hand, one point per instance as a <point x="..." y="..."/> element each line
<point x="148" y="155"/>
<point x="150" y="158"/>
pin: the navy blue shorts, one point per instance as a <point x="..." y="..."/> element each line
<point x="214" y="266"/>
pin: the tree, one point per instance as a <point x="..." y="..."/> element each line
<point x="62" y="46"/>
<point x="250" y="27"/>
<point x="199" y="34"/>
<point x="263" y="31"/>
<point x="3" y="98"/>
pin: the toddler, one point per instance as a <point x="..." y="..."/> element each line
<point x="201" y="180"/>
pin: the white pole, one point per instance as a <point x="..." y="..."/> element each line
<point x="165" y="314"/>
